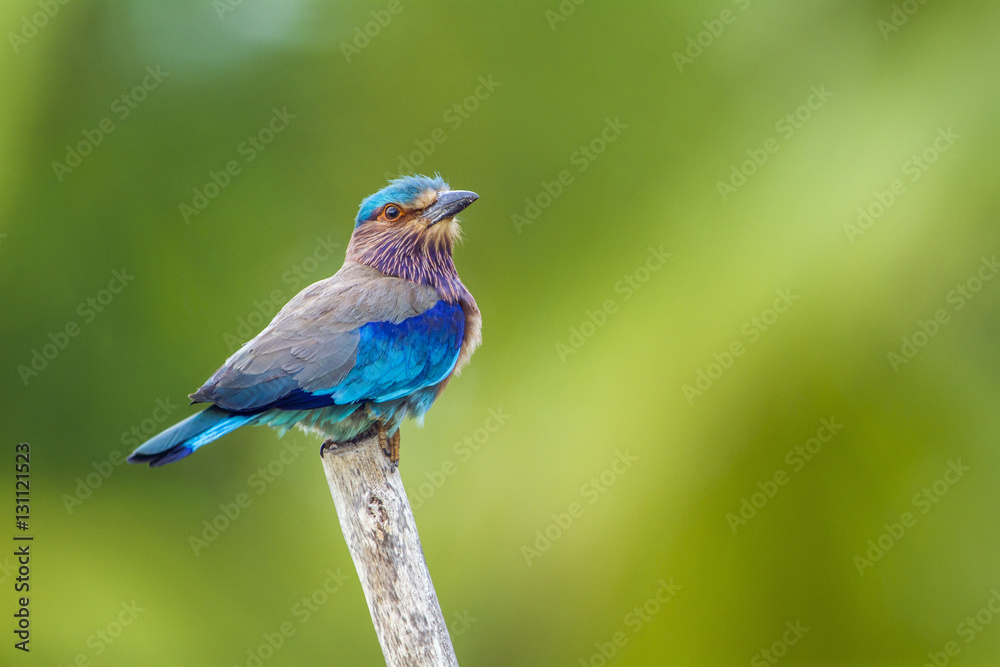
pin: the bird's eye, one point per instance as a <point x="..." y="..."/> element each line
<point x="391" y="213"/>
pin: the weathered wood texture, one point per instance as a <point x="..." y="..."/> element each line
<point x="381" y="534"/>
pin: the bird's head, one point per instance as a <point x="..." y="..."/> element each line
<point x="407" y="229"/>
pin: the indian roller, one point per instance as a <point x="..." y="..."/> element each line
<point x="372" y="345"/>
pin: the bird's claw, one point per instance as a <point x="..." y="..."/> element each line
<point x="394" y="448"/>
<point x="389" y="444"/>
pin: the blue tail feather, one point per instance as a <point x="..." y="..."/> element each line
<point x="185" y="437"/>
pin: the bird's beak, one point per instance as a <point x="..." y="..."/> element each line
<point x="448" y="205"/>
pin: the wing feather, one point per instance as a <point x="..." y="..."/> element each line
<point x="358" y="335"/>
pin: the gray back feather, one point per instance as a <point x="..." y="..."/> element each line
<point x="312" y="342"/>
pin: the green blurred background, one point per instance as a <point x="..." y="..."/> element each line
<point x="583" y="367"/>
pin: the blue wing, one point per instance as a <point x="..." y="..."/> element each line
<point x="357" y="336"/>
<point x="394" y="360"/>
<point x="376" y="361"/>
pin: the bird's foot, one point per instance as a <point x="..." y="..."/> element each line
<point x="327" y="444"/>
<point x="389" y="444"/>
<point x="394" y="448"/>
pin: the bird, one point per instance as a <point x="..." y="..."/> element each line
<point x="360" y="351"/>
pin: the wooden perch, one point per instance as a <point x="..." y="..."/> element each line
<point x="381" y="534"/>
